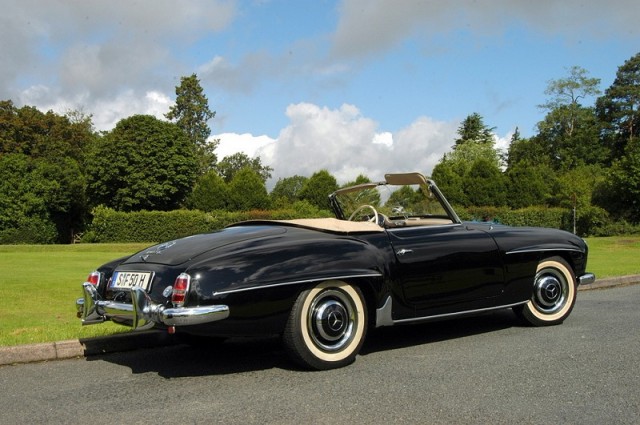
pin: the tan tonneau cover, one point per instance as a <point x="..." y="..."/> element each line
<point x="334" y="225"/>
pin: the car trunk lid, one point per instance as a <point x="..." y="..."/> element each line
<point x="180" y="251"/>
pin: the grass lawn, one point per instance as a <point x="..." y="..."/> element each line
<point x="40" y="283"/>
<point x="614" y="256"/>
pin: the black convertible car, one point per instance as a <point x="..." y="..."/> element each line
<point x="396" y="253"/>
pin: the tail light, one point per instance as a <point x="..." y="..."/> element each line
<point x="94" y="278"/>
<point x="180" y="289"/>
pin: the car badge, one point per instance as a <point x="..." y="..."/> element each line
<point x="157" y="250"/>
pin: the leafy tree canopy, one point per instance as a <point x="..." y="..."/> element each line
<point x="48" y="135"/>
<point x="247" y="191"/>
<point x="528" y="184"/>
<point x="191" y="113"/>
<point x="142" y="164"/>
<point x="26" y="191"/>
<point x="620" y="194"/>
<point x="232" y="164"/>
<point x="318" y="188"/>
<point x="619" y="107"/>
<point x="569" y="138"/>
<point x="484" y="184"/>
<point x="209" y="194"/>
<point x="568" y="91"/>
<point x="287" y="190"/>
<point x="473" y="130"/>
<point x="455" y="173"/>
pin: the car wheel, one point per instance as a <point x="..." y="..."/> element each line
<point x="327" y="326"/>
<point x="554" y="294"/>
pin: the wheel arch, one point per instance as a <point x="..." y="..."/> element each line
<point x="572" y="258"/>
<point x="372" y="289"/>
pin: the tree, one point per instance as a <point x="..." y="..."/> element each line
<point x="454" y="176"/>
<point x="570" y="137"/>
<point x="209" y="194"/>
<point x="232" y="164"/>
<point x="484" y="184"/>
<point x="191" y="113"/>
<point x="619" y="107"/>
<point x="24" y="213"/>
<point x="621" y="193"/>
<point x="247" y="191"/>
<point x="576" y="187"/>
<point x="287" y="190"/>
<point x="449" y="176"/>
<point x="48" y="135"/>
<point x="143" y="163"/>
<point x="52" y="149"/>
<point x="528" y="184"/>
<point x="529" y="152"/>
<point x="569" y="133"/>
<point x="565" y="94"/>
<point x="318" y="188"/>
<point x="473" y="130"/>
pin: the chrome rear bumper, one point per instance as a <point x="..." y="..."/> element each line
<point x="142" y="313"/>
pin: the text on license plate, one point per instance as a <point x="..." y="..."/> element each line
<point x="132" y="279"/>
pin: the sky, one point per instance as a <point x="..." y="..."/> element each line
<point x="352" y="86"/>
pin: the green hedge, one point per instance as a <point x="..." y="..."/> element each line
<point x="155" y="226"/>
<point x="532" y="216"/>
<point x="30" y="230"/>
<point x="589" y="221"/>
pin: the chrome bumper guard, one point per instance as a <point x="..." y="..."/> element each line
<point x="586" y="279"/>
<point x="142" y="313"/>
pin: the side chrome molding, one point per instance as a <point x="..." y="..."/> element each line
<point x="384" y="317"/>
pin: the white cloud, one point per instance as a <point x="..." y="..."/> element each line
<point x="358" y="31"/>
<point x="127" y="104"/>
<point x="385" y="139"/>
<point x="345" y="143"/>
<point x="100" y="47"/>
<point x="106" y="111"/>
<point x="249" y="144"/>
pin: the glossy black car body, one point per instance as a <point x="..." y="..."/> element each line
<point x="322" y="283"/>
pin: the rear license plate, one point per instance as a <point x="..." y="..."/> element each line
<point x="128" y="280"/>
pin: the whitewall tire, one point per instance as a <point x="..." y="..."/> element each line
<point x="554" y="294"/>
<point x="326" y="326"/>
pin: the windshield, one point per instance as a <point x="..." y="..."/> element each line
<point x="409" y="197"/>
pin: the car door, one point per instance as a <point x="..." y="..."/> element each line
<point x="446" y="268"/>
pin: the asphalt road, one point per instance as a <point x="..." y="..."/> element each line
<point x="487" y="369"/>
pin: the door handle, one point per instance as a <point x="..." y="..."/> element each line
<point x="404" y="251"/>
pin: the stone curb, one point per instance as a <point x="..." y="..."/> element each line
<point x="149" y="339"/>
<point x="84" y="347"/>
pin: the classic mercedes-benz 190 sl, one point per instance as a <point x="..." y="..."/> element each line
<point x="396" y="253"/>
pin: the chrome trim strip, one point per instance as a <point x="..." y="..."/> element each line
<point x="460" y="313"/>
<point x="521" y="251"/>
<point x="586" y="279"/>
<point x="401" y="229"/>
<point x="296" y="282"/>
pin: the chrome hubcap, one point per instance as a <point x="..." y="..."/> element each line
<point x="331" y="320"/>
<point x="550" y="291"/>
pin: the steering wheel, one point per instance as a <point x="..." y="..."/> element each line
<point x="373" y="219"/>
